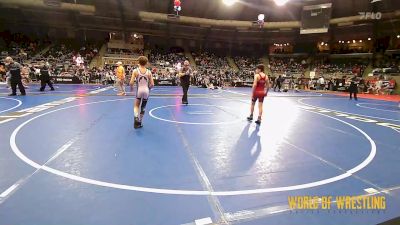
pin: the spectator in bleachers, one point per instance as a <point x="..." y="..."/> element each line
<point x="288" y="66"/>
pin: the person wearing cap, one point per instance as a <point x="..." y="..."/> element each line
<point x="120" y="74"/>
<point x="14" y="70"/>
<point x="184" y="75"/>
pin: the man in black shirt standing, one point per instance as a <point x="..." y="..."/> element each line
<point x="184" y="76"/>
<point x="15" y="72"/>
<point x="353" y="89"/>
<point x="45" y="78"/>
<point x="278" y="83"/>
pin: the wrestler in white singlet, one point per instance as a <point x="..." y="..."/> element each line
<point x="142" y="84"/>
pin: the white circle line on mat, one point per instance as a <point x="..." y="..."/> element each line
<point x="361" y="105"/>
<point x="151" y="113"/>
<point x="342" y="176"/>
<point x="14" y="107"/>
<point x="375" y="117"/>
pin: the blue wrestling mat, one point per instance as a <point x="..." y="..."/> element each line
<point x="72" y="157"/>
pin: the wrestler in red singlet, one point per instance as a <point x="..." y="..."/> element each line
<point x="260" y="90"/>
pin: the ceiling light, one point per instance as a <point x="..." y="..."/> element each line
<point x="229" y="2"/>
<point x="280" y="2"/>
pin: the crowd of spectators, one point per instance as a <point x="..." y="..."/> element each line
<point x="339" y="67"/>
<point x="386" y="64"/>
<point x="246" y="64"/>
<point x="165" y="63"/>
<point x="207" y="60"/>
<point x="372" y="85"/>
<point x="124" y="52"/>
<point x="287" y="66"/>
<point x="69" y="53"/>
<point x="21" y="52"/>
<point x="211" y="70"/>
<point x="64" y="60"/>
<point x="20" y="47"/>
<point x="166" y="60"/>
<point x="68" y="59"/>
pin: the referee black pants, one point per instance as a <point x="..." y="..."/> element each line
<point x="14" y="84"/>
<point x="278" y="85"/>
<point x="353" y="93"/>
<point x="185" y="88"/>
<point x="43" y="84"/>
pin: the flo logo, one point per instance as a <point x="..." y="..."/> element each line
<point x="370" y="15"/>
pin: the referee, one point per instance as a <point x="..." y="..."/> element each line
<point x="15" y="72"/>
<point x="184" y="76"/>
<point x="353" y="89"/>
<point x="45" y="78"/>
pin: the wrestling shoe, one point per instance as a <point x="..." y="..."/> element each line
<point x="136" y="123"/>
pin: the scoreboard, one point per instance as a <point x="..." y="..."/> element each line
<point x="315" y="18"/>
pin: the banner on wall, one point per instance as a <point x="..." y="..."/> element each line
<point x="165" y="82"/>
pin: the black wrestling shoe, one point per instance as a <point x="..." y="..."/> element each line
<point x="136" y="123"/>
<point x="23" y="94"/>
<point x="185" y="103"/>
<point x="12" y="94"/>
<point x="52" y="89"/>
<point x="250" y="118"/>
<point x="258" y="122"/>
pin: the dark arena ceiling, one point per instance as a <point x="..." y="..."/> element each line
<point x="124" y="15"/>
